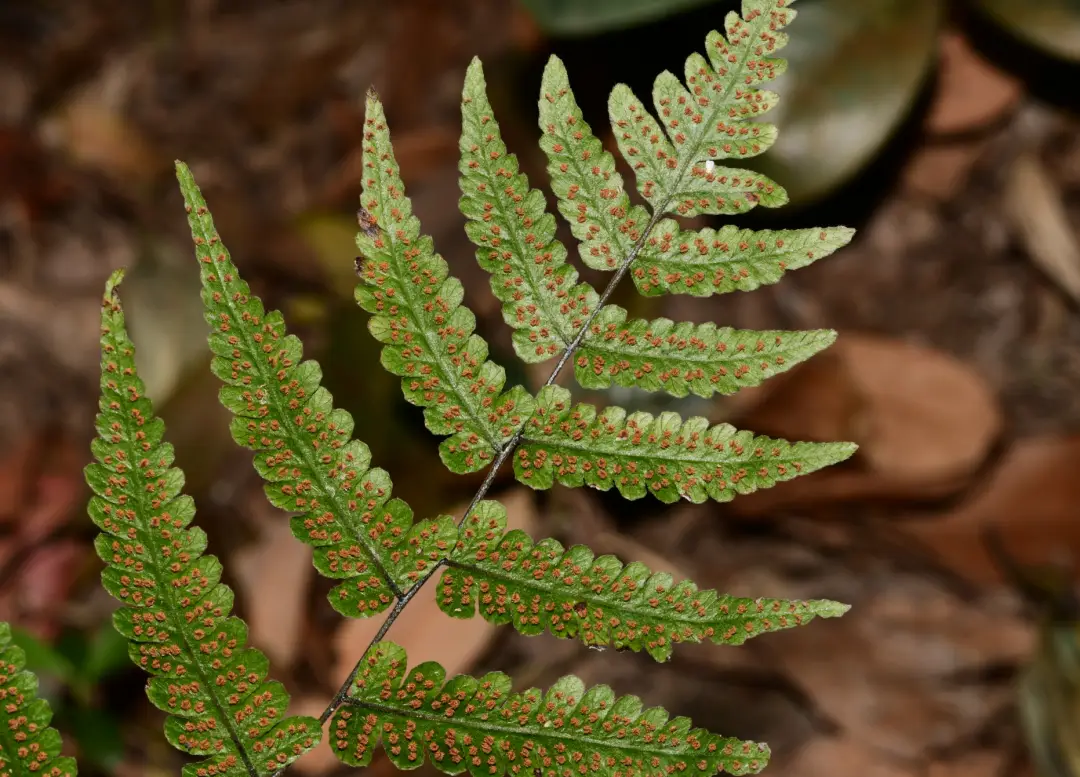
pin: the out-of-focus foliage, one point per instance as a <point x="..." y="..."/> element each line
<point x="1051" y="25"/>
<point x="851" y="80"/>
<point x="574" y="17"/>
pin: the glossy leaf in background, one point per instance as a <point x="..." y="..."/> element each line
<point x="1052" y="25"/>
<point x="853" y="72"/>
<point x="573" y="17"/>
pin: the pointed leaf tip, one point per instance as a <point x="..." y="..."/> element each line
<point x="115" y="279"/>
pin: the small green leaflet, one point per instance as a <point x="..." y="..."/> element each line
<point x="28" y="744"/>
<point x="540" y="586"/>
<point x="574" y="445"/>
<point x="417" y="313"/>
<point x="478" y="725"/>
<point x="683" y="358"/>
<point x="342" y="505"/>
<point x="542" y="298"/>
<point x="175" y="609"/>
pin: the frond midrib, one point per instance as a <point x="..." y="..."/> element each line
<point x="534" y="732"/>
<point x="563" y="442"/>
<point x="588" y="596"/>
<point x="173" y="608"/>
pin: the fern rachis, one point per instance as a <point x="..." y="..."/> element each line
<point x="176" y="611"/>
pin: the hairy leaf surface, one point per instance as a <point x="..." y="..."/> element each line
<point x="28" y="744"/>
<point x="574" y="445"/>
<point x="478" y="725"/>
<point x="303" y="448"/>
<point x="716" y="261"/>
<point x="540" y="586"/>
<point x="417" y="312"/>
<point x="542" y="298"/>
<point x="682" y="358"/>
<point x="176" y="610"/>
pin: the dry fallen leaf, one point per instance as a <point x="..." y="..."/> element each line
<point x="1033" y="498"/>
<point x="274" y="573"/>
<point x="970" y="91"/>
<point x="902" y="694"/>
<point x="842" y="757"/>
<point x="1035" y="205"/>
<point x="978" y="763"/>
<point x="97" y="135"/>
<point x="923" y="420"/>
<point x="941" y="171"/>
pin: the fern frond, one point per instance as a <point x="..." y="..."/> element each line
<point x="28" y="744"/>
<point x="542" y="586"/>
<point x="542" y="297"/>
<point x="417" y="312"/>
<point x="665" y="456"/>
<point x="345" y="511"/>
<point x="672" y="174"/>
<point x="176" y="610"/>
<point x="682" y="358"/>
<point x="711" y="120"/>
<point x="478" y="725"/>
<point x="708" y="261"/>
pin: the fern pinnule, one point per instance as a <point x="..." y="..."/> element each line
<point x="683" y="358"/>
<point x="717" y="261"/>
<point x="176" y="610"/>
<point x="417" y="314"/>
<point x="637" y="453"/>
<point x="478" y="725"/>
<point x="28" y="744"/>
<point x="542" y="297"/>
<point x="542" y="586"/>
<point x="303" y="448"/>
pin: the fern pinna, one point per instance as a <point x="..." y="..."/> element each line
<point x="366" y="539"/>
<point x="176" y="610"/>
<point x="28" y="744"/>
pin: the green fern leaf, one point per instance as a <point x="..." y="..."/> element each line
<point x="676" y="171"/>
<point x="478" y="725"/>
<point x="541" y="586"/>
<point x="28" y="744"/>
<point x="417" y="313"/>
<point x="359" y="533"/>
<point x="589" y="189"/>
<point x="665" y="456"/>
<point x="663" y="178"/>
<point x="542" y="298"/>
<point x="682" y="358"/>
<point x="176" y="610"/>
<point x="592" y="198"/>
<point x="705" y="262"/>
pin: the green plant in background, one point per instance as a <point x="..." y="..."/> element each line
<point x="176" y="614"/>
<point x="856" y="69"/>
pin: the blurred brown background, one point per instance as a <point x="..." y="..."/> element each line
<point x="945" y="131"/>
